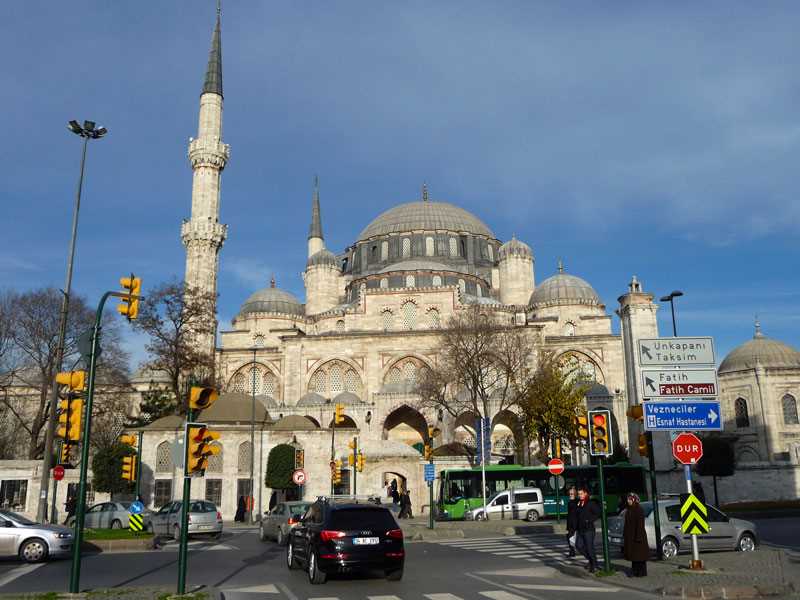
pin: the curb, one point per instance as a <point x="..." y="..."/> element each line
<point x="97" y="546"/>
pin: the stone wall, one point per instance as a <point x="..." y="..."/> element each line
<point x="752" y="482"/>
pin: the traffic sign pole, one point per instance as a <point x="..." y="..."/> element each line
<point x="183" y="549"/>
<point x="603" y="515"/>
<point x="430" y="496"/>
<point x="138" y="489"/>
<point x="697" y="564"/>
<point x="654" y="491"/>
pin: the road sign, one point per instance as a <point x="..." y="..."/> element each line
<point x="58" y="472"/>
<point x="430" y="473"/>
<point x="682" y="415"/>
<point x="694" y="515"/>
<point x="556" y="482"/>
<point x="676" y="351"/>
<point x="687" y="448"/>
<point x="555" y="466"/>
<point x="483" y="440"/>
<point x="136" y="507"/>
<point x="136" y="522"/>
<point x="299" y="477"/>
<point x="679" y="383"/>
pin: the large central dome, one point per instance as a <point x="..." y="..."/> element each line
<point x="425" y="216"/>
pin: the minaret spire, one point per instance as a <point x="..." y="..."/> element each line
<point x="213" y="81"/>
<point x="315" y="229"/>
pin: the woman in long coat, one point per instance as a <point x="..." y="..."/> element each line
<point x="635" y="547"/>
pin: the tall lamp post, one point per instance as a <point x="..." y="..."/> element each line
<point x="252" y="440"/>
<point x="670" y="299"/>
<point x="87" y="131"/>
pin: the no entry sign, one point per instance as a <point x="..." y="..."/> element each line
<point x="556" y="466"/>
<point x="58" y="472"/>
<point x="687" y="448"/>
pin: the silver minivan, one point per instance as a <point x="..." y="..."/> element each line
<point x="520" y="503"/>
<point x="203" y="518"/>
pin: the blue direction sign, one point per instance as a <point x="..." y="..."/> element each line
<point x="136" y="507"/>
<point x="684" y="415"/>
<point x="430" y="474"/>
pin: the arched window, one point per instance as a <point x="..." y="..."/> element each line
<point x="434" y="321"/>
<point x="352" y="382"/>
<point x="384" y="283"/>
<point x="462" y="285"/>
<point x="319" y="383"/>
<point x="463" y="248"/>
<point x="384" y="250"/>
<point x="395" y="376"/>
<point x="579" y="367"/>
<point x="405" y="371"/>
<point x="429" y="250"/>
<point x="340" y="325"/>
<point x="491" y="252"/>
<point x="388" y="319"/>
<point x="478" y="291"/>
<point x="239" y="383"/>
<point x="254" y="381"/>
<point x="569" y="329"/>
<point x="453" y="247"/>
<point x="409" y="281"/>
<point x="790" y="410"/>
<point x="335" y="379"/>
<point x="406" y="247"/>
<point x="164" y="458"/>
<point x="270" y="385"/>
<point x="410" y="371"/>
<point x="409" y="315"/>
<point x="215" y="460"/>
<point x="375" y="252"/>
<point x="437" y="280"/>
<point x="244" y="454"/>
<point x="259" y="341"/>
<point x="740" y="411"/>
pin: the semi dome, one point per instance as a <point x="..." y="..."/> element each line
<point x="564" y="289"/>
<point x="762" y="351"/>
<point x="425" y="216"/>
<point x="514" y="247"/>
<point x="272" y="300"/>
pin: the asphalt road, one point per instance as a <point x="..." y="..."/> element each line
<point x="243" y="568"/>
<point x="783" y="532"/>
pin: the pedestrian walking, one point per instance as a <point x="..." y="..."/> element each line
<point x="588" y="512"/>
<point x="70" y="506"/>
<point x="572" y="520"/>
<point x="241" y="508"/>
<point x="634" y="538"/>
<point x="395" y="493"/>
<point x="409" y="512"/>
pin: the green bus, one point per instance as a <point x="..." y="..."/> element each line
<point x="460" y="489"/>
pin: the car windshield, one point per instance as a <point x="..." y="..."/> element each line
<point x="647" y="508"/>
<point x="125" y="505"/>
<point x="298" y="509"/>
<point x="17" y="517"/>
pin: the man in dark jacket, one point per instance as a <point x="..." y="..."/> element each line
<point x="572" y="520"/>
<point x="588" y="512"/>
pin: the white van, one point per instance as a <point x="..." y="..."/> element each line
<point x="521" y="503"/>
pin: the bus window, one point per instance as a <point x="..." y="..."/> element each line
<point x="462" y="485"/>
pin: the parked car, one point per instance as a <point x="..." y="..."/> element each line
<point x="109" y="515"/>
<point x="31" y="541"/>
<point x="521" y="503"/>
<point x="204" y="518"/>
<point x="345" y="536"/>
<point x="725" y="533"/>
<point x="278" y="522"/>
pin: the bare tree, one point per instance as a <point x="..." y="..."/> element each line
<point x="174" y="316"/>
<point x="551" y="398"/>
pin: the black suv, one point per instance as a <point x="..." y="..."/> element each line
<point x="345" y="536"/>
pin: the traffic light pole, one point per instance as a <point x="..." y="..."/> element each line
<point x="654" y="490"/>
<point x="333" y="451"/>
<point x="430" y="497"/>
<point x="355" y="465"/>
<point x="138" y="475"/>
<point x="603" y="515"/>
<point x="187" y="490"/>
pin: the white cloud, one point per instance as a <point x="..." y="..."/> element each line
<point x="250" y="272"/>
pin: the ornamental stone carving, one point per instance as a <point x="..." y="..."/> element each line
<point x="208" y="152"/>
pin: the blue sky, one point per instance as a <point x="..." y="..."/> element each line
<point x="643" y="138"/>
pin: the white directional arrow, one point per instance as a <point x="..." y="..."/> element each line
<point x="712" y="415"/>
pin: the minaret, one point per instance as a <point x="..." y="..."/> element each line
<point x="323" y="276"/>
<point x="203" y="234"/>
<point x="315" y="239"/>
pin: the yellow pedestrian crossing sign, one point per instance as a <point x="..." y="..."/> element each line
<point x="694" y="515"/>
<point x="136" y="522"/>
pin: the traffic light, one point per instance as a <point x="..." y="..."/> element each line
<point x="600" y="433"/>
<point x="75" y="381"/>
<point x="351" y="459"/>
<point x="129" y="306"/>
<point x="643" y="449"/>
<point x="69" y="419"/>
<point x="427" y="451"/>
<point x="337" y="471"/>
<point x="200" y="446"/>
<point x="338" y="414"/>
<point x="636" y="412"/>
<point x="129" y="440"/>
<point x="360" y="461"/>
<point x="582" y="427"/>
<point x="299" y="458"/>
<point x="65" y="454"/>
<point x="129" y="468"/>
<point x="202" y="397"/>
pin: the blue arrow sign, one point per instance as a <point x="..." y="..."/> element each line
<point x="684" y="415"/>
<point x="136" y="507"/>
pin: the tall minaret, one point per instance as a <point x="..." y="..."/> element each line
<point x="203" y="234"/>
<point x="323" y="276"/>
<point x="315" y="240"/>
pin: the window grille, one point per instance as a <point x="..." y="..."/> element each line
<point x="14" y="494"/>
<point x="394" y="376"/>
<point x="387" y="318"/>
<point x="569" y="329"/>
<point x="453" y="247"/>
<point x="214" y="491"/>
<point x="270" y="385"/>
<point x="741" y="414"/>
<point x="335" y="375"/>
<point x="409" y="315"/>
<point x="215" y="460"/>
<point x="243" y="463"/>
<point x="254" y="381"/>
<point x="340" y="325"/>
<point x="384" y="283"/>
<point x="319" y="383"/>
<point x="433" y="319"/>
<point x="790" y="410"/>
<point x="384" y="250"/>
<point x="462" y="286"/>
<point x="437" y="281"/>
<point x="406" y="247"/>
<point x="410" y="371"/>
<point x="239" y="383"/>
<point x="162" y="492"/>
<point x="491" y="252"/>
<point x="409" y="281"/>
<point x="164" y="458"/>
<point x="352" y="382"/>
<point x="259" y="341"/>
<point x="429" y="249"/>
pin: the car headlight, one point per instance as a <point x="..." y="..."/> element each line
<point x="64" y="535"/>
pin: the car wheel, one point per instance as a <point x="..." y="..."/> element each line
<point x="315" y="575"/>
<point x="116" y="524"/>
<point x="33" y="550"/>
<point x="395" y="575"/>
<point x="481" y="516"/>
<point x="746" y="543"/>
<point x="291" y="561"/>
<point x="669" y="547"/>
<point x="532" y="516"/>
<point x="176" y="533"/>
<point x="261" y="535"/>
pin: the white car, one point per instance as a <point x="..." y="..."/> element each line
<point x="522" y="503"/>
<point x="31" y="541"/>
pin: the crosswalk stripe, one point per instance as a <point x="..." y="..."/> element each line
<point x="442" y="597"/>
<point x="325" y="598"/>
<point x="565" y="588"/>
<point x="501" y="595"/>
<point x="383" y="598"/>
<point x="261" y="589"/>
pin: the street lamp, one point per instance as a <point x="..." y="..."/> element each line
<point x="669" y="299"/>
<point x="252" y="438"/>
<point x="88" y="131"/>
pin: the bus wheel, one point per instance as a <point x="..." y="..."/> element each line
<point x="532" y="516"/>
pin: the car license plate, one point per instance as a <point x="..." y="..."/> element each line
<point x="616" y="540"/>
<point x="206" y="527"/>
<point x="367" y="541"/>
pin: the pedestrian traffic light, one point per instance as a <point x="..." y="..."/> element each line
<point x="636" y="412"/>
<point x="202" y="397"/>
<point x="427" y="451"/>
<point x="582" y="427"/>
<point x="129" y="306"/>
<point x="129" y="440"/>
<point x="600" y="432"/>
<point x="75" y="381"/>
<point x="360" y="461"/>
<point x="65" y="454"/>
<point x="643" y="448"/>
<point x="69" y="419"/>
<point x="129" y="468"/>
<point x="338" y="414"/>
<point x="200" y="446"/>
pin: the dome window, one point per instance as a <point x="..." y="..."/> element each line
<point x="384" y="283"/>
<point x="258" y="341"/>
<point x="462" y="285"/>
<point x="490" y="250"/>
<point x="406" y="247"/>
<point x="429" y="247"/>
<point x="437" y="281"/>
<point x="569" y="329"/>
<point x="741" y="413"/>
<point x="453" y="247"/>
<point x="790" y="410"/>
<point x="384" y="251"/>
<point x="410" y="281"/>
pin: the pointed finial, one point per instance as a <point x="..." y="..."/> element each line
<point x="219" y="8"/>
<point x="213" y="80"/>
<point x="425" y="192"/>
<point x="315" y="229"/>
<point x="272" y="281"/>
<point x="758" y="333"/>
<point x="560" y="266"/>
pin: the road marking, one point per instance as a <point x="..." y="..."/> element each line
<point x="325" y="598"/>
<point x="442" y="597"/>
<point x="500" y="585"/>
<point x="566" y="588"/>
<point x="501" y="595"/>
<point x="19" y="572"/>
<point x="287" y="592"/>
<point x="526" y="572"/>
<point x="383" y="598"/>
<point x="262" y="589"/>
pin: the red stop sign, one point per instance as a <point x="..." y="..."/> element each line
<point x="555" y="466"/>
<point x="687" y="448"/>
<point x="58" y="472"/>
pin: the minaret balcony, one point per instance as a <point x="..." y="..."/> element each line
<point x="208" y="152"/>
<point x="206" y="231"/>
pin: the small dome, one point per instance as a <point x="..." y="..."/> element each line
<point x="347" y="398"/>
<point x="272" y="300"/>
<point x="323" y="257"/>
<point x="514" y="247"/>
<point x="425" y="216"/>
<point x="561" y="289"/>
<point x="762" y="351"/>
<point x="310" y="399"/>
<point x="293" y="423"/>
